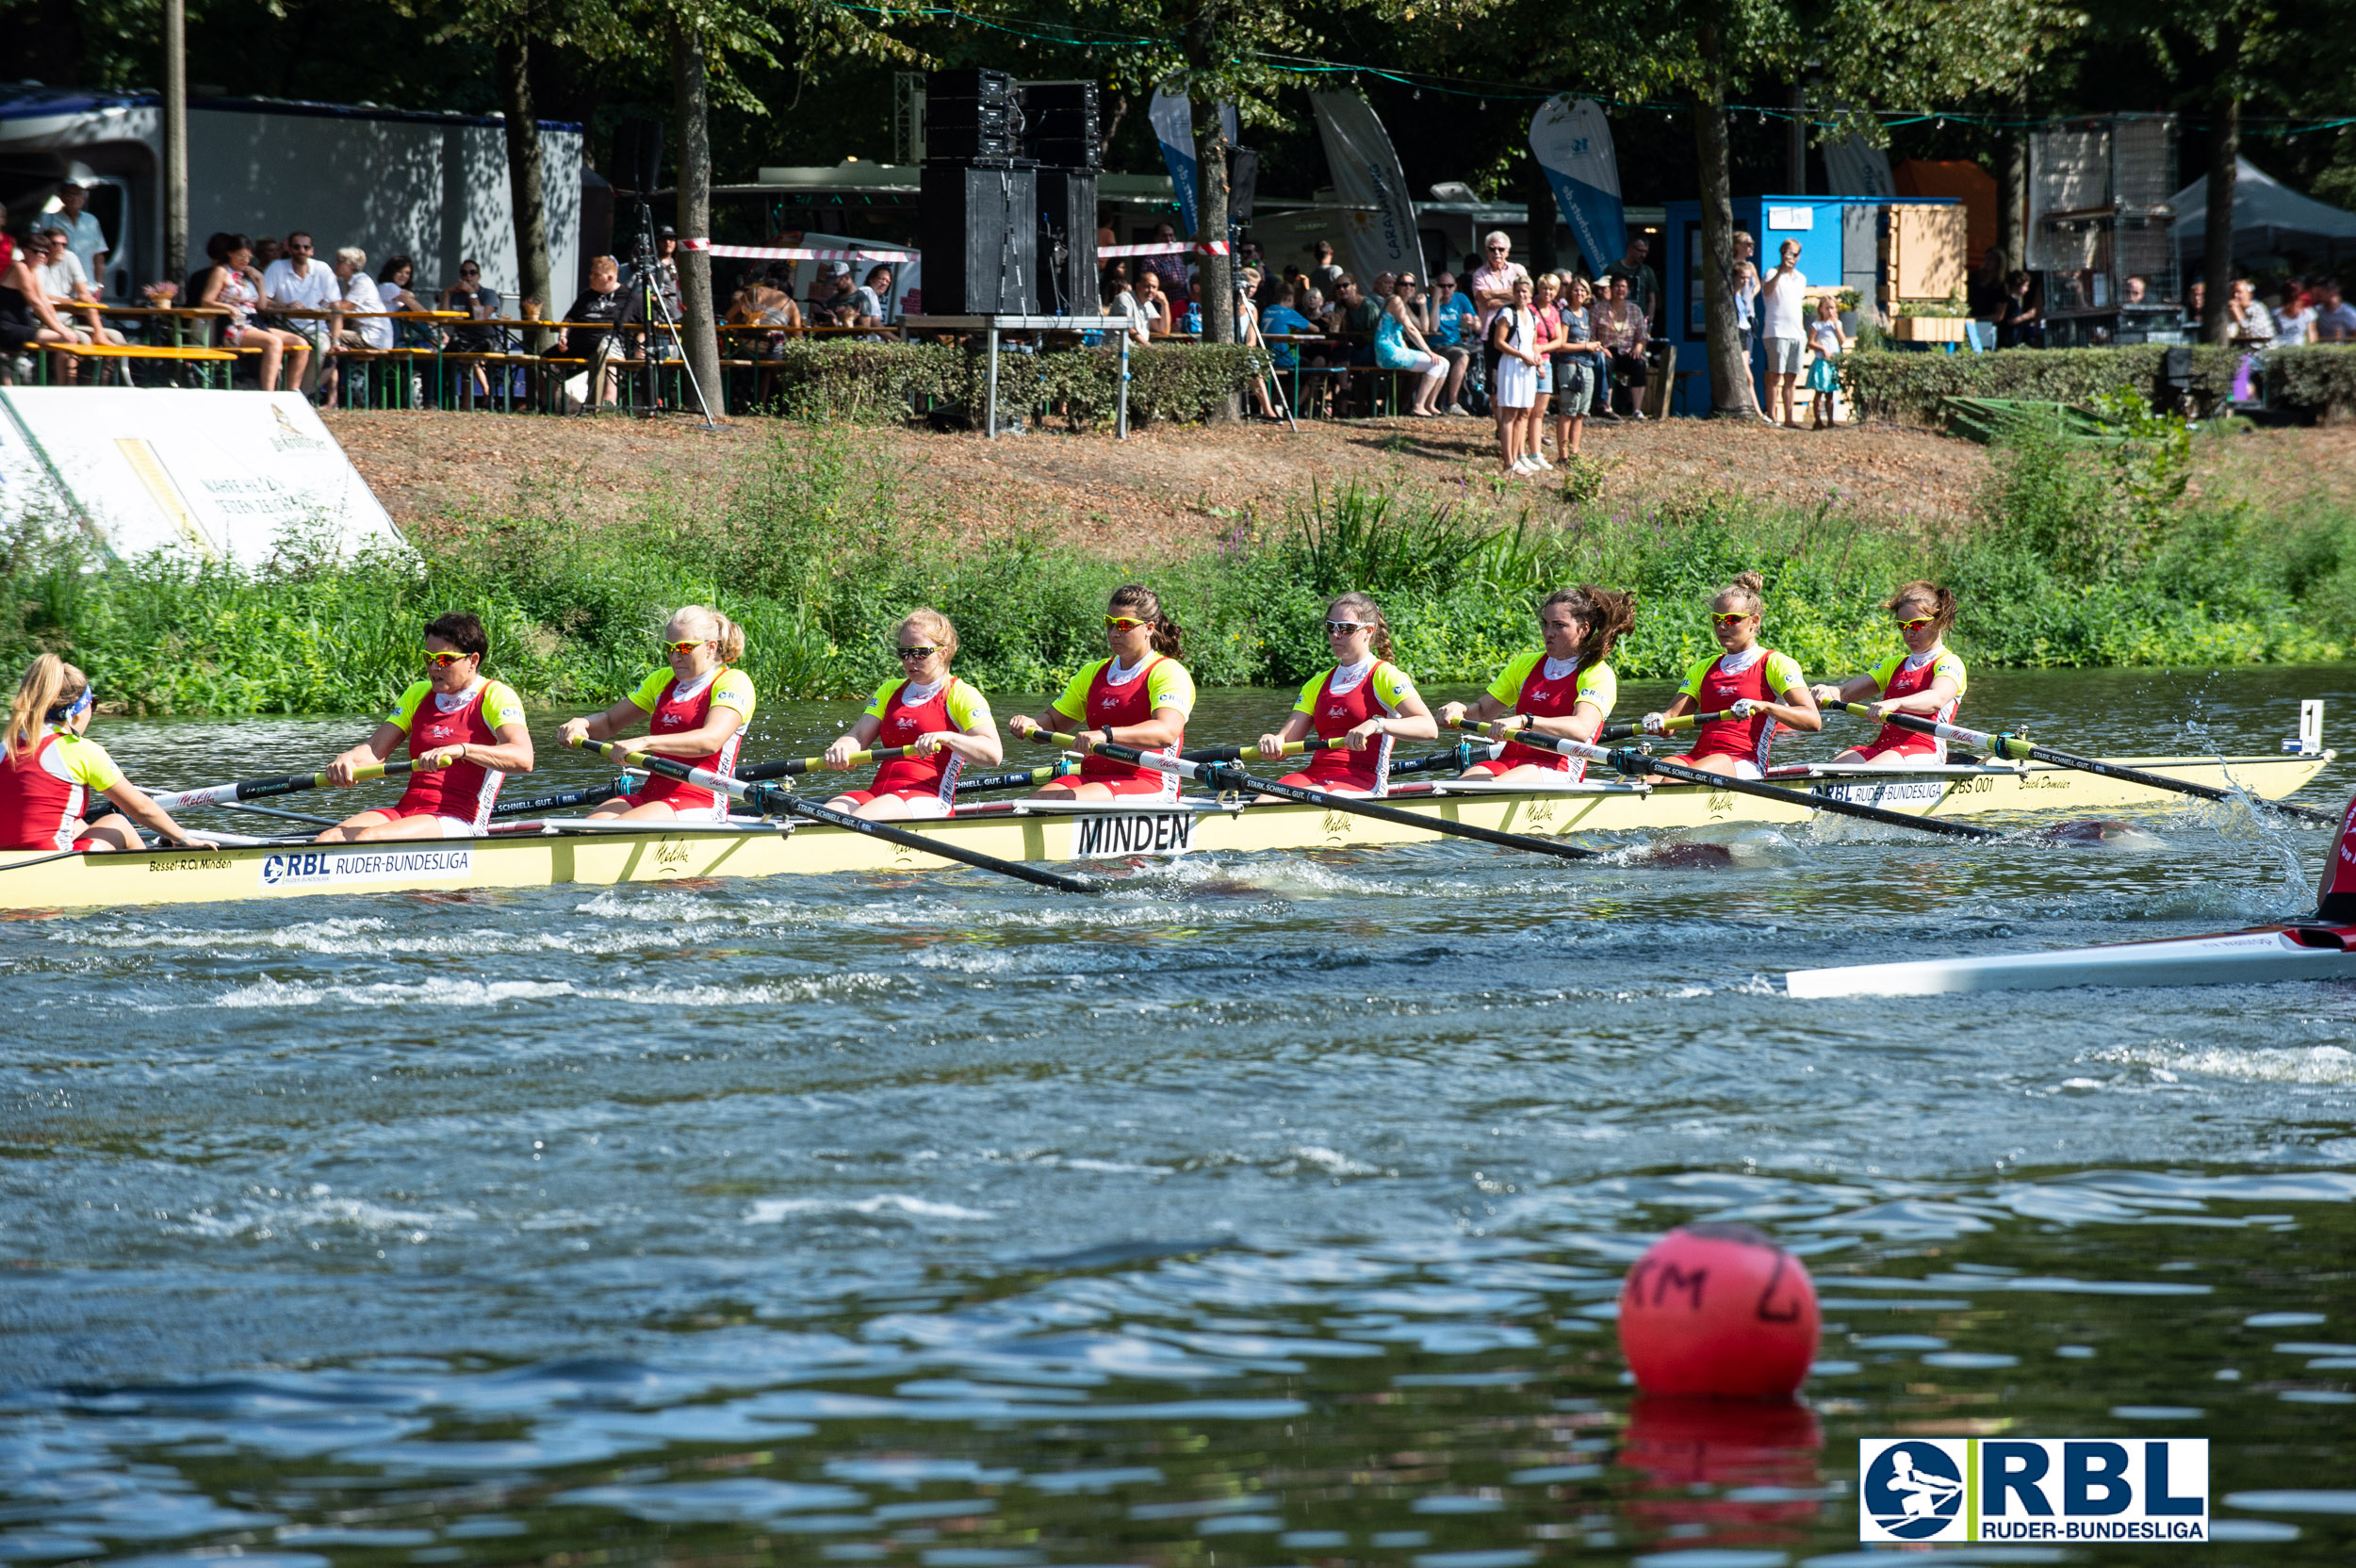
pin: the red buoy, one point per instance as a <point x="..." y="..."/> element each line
<point x="1720" y="1311"/>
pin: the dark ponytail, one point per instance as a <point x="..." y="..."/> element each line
<point x="1141" y="601"/>
<point x="1940" y="602"/>
<point x="1609" y="616"/>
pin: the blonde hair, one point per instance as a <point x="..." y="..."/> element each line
<point x="49" y="685"/>
<point x="353" y="254"/>
<point x="1744" y="589"/>
<point x="935" y="625"/>
<point x="727" y="633"/>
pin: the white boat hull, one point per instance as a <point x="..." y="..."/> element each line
<point x="2228" y="958"/>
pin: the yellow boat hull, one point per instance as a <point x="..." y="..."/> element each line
<point x="1021" y="831"/>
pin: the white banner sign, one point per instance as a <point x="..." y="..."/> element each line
<point x="1572" y="141"/>
<point x="225" y="475"/>
<point x="1379" y="221"/>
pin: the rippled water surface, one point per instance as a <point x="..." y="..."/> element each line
<point x="1269" y="1210"/>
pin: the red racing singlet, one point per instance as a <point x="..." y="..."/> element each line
<point x="39" y="809"/>
<point x="674" y="715"/>
<point x="1132" y="703"/>
<point x="1545" y="699"/>
<point x="466" y="790"/>
<point x="1903" y="682"/>
<point x="1749" y="739"/>
<point x="1369" y="770"/>
<point x="902" y="724"/>
<point x="2338" y="901"/>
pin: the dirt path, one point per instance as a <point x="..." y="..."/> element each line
<point x="1170" y="489"/>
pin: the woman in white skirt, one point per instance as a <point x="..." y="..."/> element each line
<point x="1513" y="378"/>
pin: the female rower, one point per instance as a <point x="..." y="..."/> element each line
<point x="466" y="735"/>
<point x="1565" y="689"/>
<point x="943" y="721"/>
<point x="1925" y="680"/>
<point x="49" y="772"/>
<point x="695" y="712"/>
<point x="1138" y="697"/>
<point x="1759" y="687"/>
<point x="1364" y="699"/>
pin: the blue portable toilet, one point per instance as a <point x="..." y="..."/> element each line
<point x="1843" y="243"/>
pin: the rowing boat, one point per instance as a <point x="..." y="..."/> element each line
<point x="559" y="850"/>
<point x="2258" y="957"/>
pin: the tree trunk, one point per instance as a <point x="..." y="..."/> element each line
<point x="1730" y="391"/>
<point x="2012" y="190"/>
<point x="525" y="180"/>
<point x="1538" y="196"/>
<point x="696" y="323"/>
<point x="1217" y="273"/>
<point x="2217" y="248"/>
<point x="175" y="235"/>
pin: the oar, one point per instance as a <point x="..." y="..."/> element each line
<point x="2021" y="748"/>
<point x="1630" y="759"/>
<point x="1236" y="754"/>
<point x="594" y="794"/>
<point x="1683" y="721"/>
<point x="255" y="788"/>
<point x="1019" y="778"/>
<point x="781" y="800"/>
<point x="794" y="767"/>
<point x="1228" y="775"/>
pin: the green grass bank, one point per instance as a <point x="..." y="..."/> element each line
<point x="2082" y="554"/>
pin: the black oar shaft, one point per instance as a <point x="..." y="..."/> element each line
<point x="779" y="800"/>
<point x="794" y="767"/>
<point x="594" y="794"/>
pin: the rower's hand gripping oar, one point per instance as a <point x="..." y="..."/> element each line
<point x="1228" y="775"/>
<point x="258" y="789"/>
<point x="1632" y="761"/>
<point x="1682" y="721"/>
<point x="2021" y="748"/>
<point x="780" y="800"/>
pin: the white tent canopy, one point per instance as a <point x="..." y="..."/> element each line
<point x="2270" y="218"/>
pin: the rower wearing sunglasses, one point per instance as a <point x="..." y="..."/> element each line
<point x="1757" y="686"/>
<point x="1563" y="690"/>
<point x="943" y="722"/>
<point x="694" y="711"/>
<point x="1365" y="701"/>
<point x="1138" y="697"/>
<point x="1925" y="680"/>
<point x="466" y="735"/>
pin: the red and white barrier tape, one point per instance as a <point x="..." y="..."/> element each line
<point x="792" y="252"/>
<point x="1166" y="248"/>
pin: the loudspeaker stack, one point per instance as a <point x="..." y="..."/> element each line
<point x="979" y="198"/>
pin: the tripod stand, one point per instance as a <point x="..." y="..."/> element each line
<point x="653" y="310"/>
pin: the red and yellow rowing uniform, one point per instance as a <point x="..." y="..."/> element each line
<point x="1339" y="701"/>
<point x="675" y="708"/>
<point x="1547" y="688"/>
<point x="1903" y="675"/>
<point x="1104" y="694"/>
<point x="1716" y="684"/>
<point x="46" y="793"/>
<point x="904" y="710"/>
<point x="462" y="795"/>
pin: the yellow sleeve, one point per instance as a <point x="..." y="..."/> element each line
<point x="968" y="708"/>
<point x="1074" y="704"/>
<point x="1886" y="671"/>
<point x="501" y="707"/>
<point x="87" y="764"/>
<point x="1308" y="703"/>
<point x="1507" y="687"/>
<point x="648" y="694"/>
<point x="405" y="712"/>
<point x="1952" y="667"/>
<point x="1693" y="687"/>
<point x="1170" y="686"/>
<point x="1393" y="686"/>
<point x="1783" y="673"/>
<point x="734" y="688"/>
<point x="882" y="701"/>
<point x="1599" y="686"/>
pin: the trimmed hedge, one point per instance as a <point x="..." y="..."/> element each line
<point x="2314" y="375"/>
<point x="1909" y="387"/>
<point x="881" y="382"/>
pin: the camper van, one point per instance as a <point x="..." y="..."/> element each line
<point x="433" y="187"/>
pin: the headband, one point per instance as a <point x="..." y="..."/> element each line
<point x="67" y="713"/>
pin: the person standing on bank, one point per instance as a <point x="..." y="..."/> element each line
<point x="1783" y="305"/>
<point x="1514" y="375"/>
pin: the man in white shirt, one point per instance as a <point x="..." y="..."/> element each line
<point x="295" y="282"/>
<point x="1783" y="331"/>
<point x="83" y="236"/>
<point x="60" y="272"/>
<point x="366" y="328"/>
